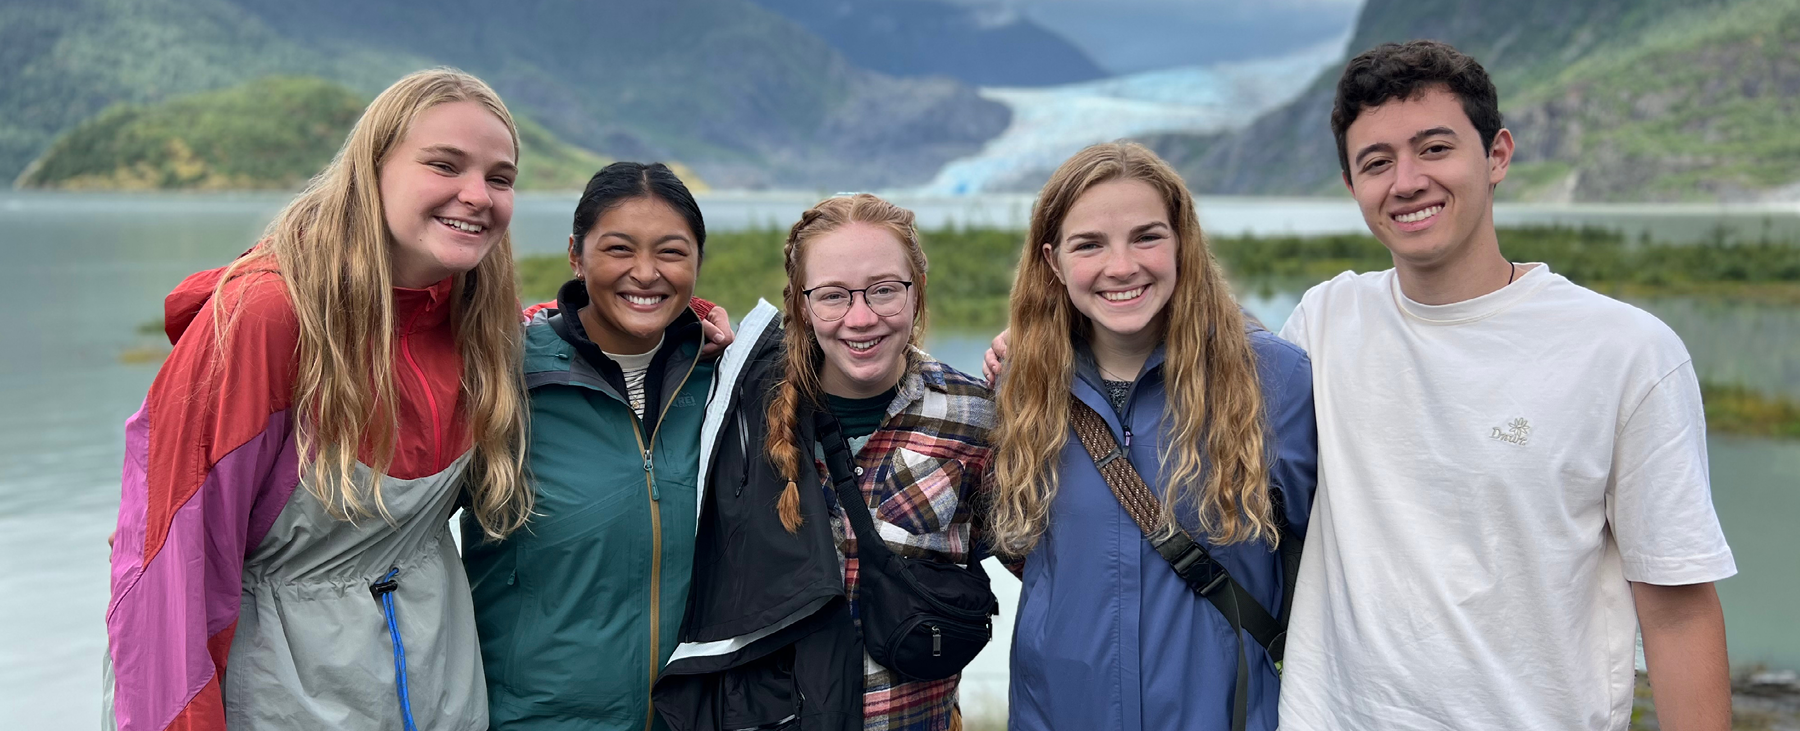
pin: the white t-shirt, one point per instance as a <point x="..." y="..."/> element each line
<point x="1492" y="473"/>
<point x="635" y="368"/>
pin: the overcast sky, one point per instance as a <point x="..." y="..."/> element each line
<point x="1125" y="36"/>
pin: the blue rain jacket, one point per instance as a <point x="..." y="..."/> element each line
<point x="1108" y="636"/>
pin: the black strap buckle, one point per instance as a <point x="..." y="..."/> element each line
<point x="1191" y="561"/>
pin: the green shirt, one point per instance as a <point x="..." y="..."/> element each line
<point x="860" y="417"/>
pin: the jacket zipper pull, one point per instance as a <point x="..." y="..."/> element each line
<point x="1128" y="437"/>
<point x="937" y="642"/>
<point x="650" y="464"/>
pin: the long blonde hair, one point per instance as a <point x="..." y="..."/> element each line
<point x="800" y="380"/>
<point x="332" y="248"/>
<point x="1209" y="369"/>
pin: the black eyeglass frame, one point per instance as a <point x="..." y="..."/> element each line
<point x="905" y="285"/>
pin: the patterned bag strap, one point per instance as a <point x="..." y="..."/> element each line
<point x="1191" y="561"/>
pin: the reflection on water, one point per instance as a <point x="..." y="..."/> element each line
<point x="1756" y="488"/>
<point x="1738" y="343"/>
<point x="78" y="274"/>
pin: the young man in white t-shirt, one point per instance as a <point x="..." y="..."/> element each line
<point x="1512" y="468"/>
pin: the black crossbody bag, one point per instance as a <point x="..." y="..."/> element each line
<point x="1204" y="575"/>
<point x="922" y="619"/>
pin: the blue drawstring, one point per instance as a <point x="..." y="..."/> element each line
<point x="384" y="593"/>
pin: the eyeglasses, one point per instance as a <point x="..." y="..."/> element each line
<point x="832" y="303"/>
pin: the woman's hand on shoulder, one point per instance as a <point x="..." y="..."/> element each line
<point x="715" y="331"/>
<point x="994" y="359"/>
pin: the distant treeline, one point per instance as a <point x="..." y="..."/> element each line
<point x="1591" y="256"/>
<point x="273" y="132"/>
<point x="1738" y="410"/>
<point x="972" y="268"/>
<point x="970" y="277"/>
<point x="972" y="273"/>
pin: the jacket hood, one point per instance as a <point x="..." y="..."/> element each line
<point x="196" y="291"/>
<point x="415" y="309"/>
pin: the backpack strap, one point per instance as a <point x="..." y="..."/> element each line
<point x="840" y="467"/>
<point x="1190" y="560"/>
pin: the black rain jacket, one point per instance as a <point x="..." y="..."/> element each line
<point x="768" y="641"/>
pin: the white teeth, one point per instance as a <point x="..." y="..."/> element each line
<point x="461" y="225"/>
<point x="1122" y="296"/>
<point x="861" y="345"/>
<point x="636" y="300"/>
<point x="1419" y="215"/>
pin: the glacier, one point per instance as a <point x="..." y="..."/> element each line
<point x="1051" y="123"/>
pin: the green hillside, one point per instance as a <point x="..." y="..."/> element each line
<point x="65" y="61"/>
<point x="548" y="163"/>
<point x="1702" y="109"/>
<point x="1610" y="100"/>
<point x="744" y="96"/>
<point x="274" y="132"/>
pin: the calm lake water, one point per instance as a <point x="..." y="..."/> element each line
<point x="79" y="273"/>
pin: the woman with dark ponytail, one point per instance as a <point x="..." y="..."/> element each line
<point x="771" y="639"/>
<point x="578" y="612"/>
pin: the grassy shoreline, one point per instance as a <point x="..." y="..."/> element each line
<point x="972" y="268"/>
<point x="972" y="272"/>
<point x="1734" y="409"/>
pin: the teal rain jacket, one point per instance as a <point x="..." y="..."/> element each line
<point x="579" y="610"/>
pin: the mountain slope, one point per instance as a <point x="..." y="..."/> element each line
<point x="744" y="96"/>
<point x="1570" y="72"/>
<point x="66" y="60"/>
<point x="275" y="132"/>
<point x="1702" y="114"/>
<point x="936" y="38"/>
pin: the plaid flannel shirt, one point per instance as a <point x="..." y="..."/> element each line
<point x="925" y="479"/>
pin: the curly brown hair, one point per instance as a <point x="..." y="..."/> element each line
<point x="1405" y="71"/>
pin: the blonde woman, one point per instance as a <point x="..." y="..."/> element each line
<point x="1122" y="317"/>
<point x="283" y="558"/>
<point x="770" y="639"/>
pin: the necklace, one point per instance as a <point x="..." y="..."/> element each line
<point x="1515" y="272"/>
<point x="1109" y="375"/>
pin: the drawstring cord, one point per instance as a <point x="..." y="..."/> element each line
<point x="384" y="593"/>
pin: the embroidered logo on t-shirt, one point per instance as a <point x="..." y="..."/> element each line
<point x="1517" y="431"/>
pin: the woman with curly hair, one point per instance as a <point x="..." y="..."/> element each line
<point x="1129" y="361"/>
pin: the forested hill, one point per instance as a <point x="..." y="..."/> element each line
<point x="744" y="96"/>
<point x="274" y="132"/>
<point x="1610" y="100"/>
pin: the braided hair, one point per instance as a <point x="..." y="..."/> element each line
<point x="799" y="385"/>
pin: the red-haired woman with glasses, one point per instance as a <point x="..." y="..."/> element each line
<point x="770" y="637"/>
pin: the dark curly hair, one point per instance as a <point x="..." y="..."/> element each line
<point x="1406" y="71"/>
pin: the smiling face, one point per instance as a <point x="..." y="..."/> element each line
<point x="1116" y="255"/>
<point x="865" y="352"/>
<point x="1423" y="180"/>
<point x="447" y="192"/>
<point x="638" y="262"/>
